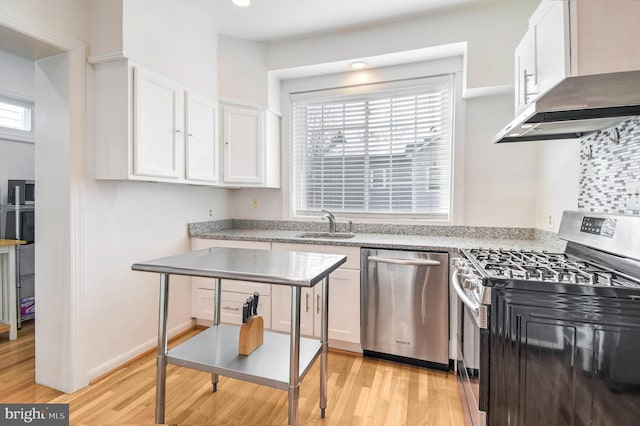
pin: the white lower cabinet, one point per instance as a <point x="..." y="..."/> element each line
<point x="234" y="293"/>
<point x="344" y="300"/>
<point x="202" y="301"/>
<point x="275" y="300"/>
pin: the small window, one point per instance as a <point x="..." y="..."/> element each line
<point x="377" y="153"/>
<point x="16" y="119"/>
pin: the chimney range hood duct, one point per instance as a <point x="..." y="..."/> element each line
<point x="576" y="107"/>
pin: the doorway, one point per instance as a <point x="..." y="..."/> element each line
<point x="58" y="170"/>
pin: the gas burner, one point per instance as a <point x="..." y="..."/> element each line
<point x="545" y="267"/>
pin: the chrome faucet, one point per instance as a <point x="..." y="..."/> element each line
<point x="332" y="220"/>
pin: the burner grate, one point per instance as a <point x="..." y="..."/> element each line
<point x="543" y="266"/>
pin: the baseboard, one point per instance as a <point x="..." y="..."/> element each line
<point x="139" y="351"/>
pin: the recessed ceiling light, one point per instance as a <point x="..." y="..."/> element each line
<point x="527" y="126"/>
<point x="358" y="65"/>
<point x="513" y="135"/>
<point x="242" y="3"/>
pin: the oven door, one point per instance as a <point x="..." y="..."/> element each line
<point x="472" y="360"/>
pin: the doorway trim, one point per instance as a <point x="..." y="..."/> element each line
<point x="71" y="327"/>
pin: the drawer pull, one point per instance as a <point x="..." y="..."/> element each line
<point x="229" y="308"/>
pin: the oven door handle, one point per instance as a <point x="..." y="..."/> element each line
<point x="474" y="306"/>
<point x="411" y="262"/>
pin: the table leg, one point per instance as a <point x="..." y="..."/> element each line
<point x="161" y="361"/>
<point x="12" y="288"/>
<point x="216" y="321"/>
<point x="18" y="290"/>
<point x="294" y="356"/>
<point x="324" y="340"/>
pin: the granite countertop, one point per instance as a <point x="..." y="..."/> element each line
<point x="445" y="238"/>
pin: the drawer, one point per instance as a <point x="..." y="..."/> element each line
<point x="231" y="308"/>
<point x="246" y="287"/>
<point x="352" y="253"/>
<point x="203" y="283"/>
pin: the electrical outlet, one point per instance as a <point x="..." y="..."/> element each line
<point x="550" y="221"/>
<point x="632" y="195"/>
<point x="256" y="203"/>
<point x="210" y="212"/>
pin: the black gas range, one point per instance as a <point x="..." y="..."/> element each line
<point x="551" y="338"/>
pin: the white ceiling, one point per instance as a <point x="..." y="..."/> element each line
<point x="268" y="20"/>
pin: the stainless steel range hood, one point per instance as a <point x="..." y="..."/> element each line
<point x="576" y="107"/>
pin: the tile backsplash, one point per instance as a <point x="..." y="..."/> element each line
<point x="604" y="176"/>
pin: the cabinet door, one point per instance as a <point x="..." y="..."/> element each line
<point x="202" y="146"/>
<point x="344" y="306"/>
<point x="525" y="78"/>
<point x="158" y="134"/>
<point x="551" y="43"/>
<point x="202" y="303"/>
<point x="243" y="130"/>
<point x="281" y="310"/>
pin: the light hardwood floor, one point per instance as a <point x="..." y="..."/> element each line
<point x="362" y="391"/>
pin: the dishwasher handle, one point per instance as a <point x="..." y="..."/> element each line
<point x="471" y="304"/>
<point x="410" y="262"/>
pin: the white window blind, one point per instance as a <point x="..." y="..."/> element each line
<point x="378" y="152"/>
<point x="16" y="119"/>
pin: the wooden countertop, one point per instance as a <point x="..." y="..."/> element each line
<point x="4" y="242"/>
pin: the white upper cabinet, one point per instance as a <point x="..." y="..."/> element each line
<point x="158" y="126"/>
<point x="575" y="38"/>
<point x="525" y="83"/>
<point x="202" y="146"/>
<point x="251" y="147"/>
<point x="244" y="133"/>
<point x="148" y="127"/>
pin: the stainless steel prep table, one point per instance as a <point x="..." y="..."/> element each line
<point x="216" y="349"/>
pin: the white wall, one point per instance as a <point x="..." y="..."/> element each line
<point x="242" y="70"/>
<point x="128" y="222"/>
<point x="69" y="17"/>
<point x="123" y="222"/>
<point x="173" y="38"/>
<point x="17" y="159"/>
<point x="492" y="31"/>
<point x="500" y="179"/>
<point x="558" y="181"/>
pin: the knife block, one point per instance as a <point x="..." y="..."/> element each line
<point x="251" y="335"/>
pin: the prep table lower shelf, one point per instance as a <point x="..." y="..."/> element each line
<point x="215" y="350"/>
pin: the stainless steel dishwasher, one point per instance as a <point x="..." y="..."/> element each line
<point x="405" y="306"/>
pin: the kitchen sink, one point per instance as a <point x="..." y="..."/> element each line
<point x="332" y="235"/>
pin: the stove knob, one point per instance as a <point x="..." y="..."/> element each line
<point x="468" y="281"/>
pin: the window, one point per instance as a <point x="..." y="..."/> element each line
<point x="16" y="119"/>
<point x="378" y="152"/>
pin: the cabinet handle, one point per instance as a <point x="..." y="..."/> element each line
<point x="307" y="302"/>
<point x="191" y="135"/>
<point x="179" y="131"/>
<point x="226" y="142"/>
<point x="317" y="303"/>
<point x="527" y="94"/>
<point x="229" y="308"/>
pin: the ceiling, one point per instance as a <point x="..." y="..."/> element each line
<point x="269" y="20"/>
